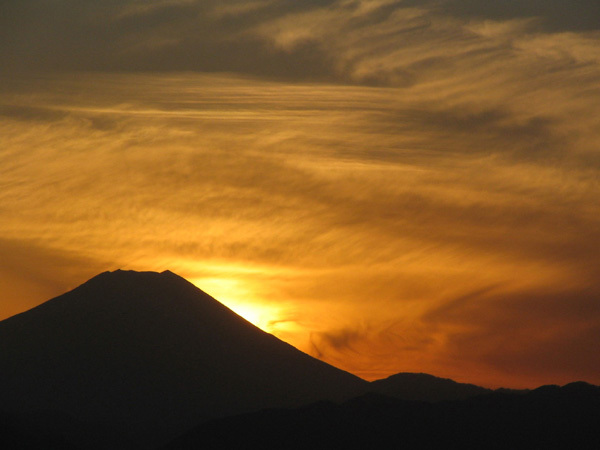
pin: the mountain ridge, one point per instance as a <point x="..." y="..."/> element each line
<point x="155" y="353"/>
<point x="133" y="359"/>
<point x="425" y="387"/>
<point x="556" y="417"/>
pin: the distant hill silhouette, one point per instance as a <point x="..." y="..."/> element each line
<point x="25" y="432"/>
<point x="131" y="360"/>
<point x="148" y="355"/>
<point x="425" y="387"/>
<point x="546" y="418"/>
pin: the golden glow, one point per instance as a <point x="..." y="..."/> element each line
<point x="236" y="297"/>
<point x="421" y="204"/>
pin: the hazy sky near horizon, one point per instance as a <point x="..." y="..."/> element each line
<point x="387" y="185"/>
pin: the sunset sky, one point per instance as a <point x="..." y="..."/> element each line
<point x="391" y="186"/>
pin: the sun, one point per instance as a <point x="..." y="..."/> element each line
<point x="240" y="299"/>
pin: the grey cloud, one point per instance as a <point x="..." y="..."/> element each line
<point x="552" y="15"/>
<point x="555" y="15"/>
<point x="466" y="129"/>
<point x="173" y="36"/>
<point x="194" y="36"/>
<point x="32" y="113"/>
<point x="395" y="333"/>
<point x="338" y="340"/>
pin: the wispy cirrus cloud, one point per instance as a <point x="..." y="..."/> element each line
<point x="390" y="181"/>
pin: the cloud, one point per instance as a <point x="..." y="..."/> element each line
<point x="159" y="36"/>
<point x="367" y="42"/>
<point x="520" y="333"/>
<point x="28" y="273"/>
<point x="263" y="167"/>
<point x="340" y="340"/>
<point x="416" y="185"/>
<point x="498" y="334"/>
<point x="554" y="15"/>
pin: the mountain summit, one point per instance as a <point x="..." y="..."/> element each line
<point x="153" y="354"/>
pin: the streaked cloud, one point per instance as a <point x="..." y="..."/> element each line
<point x="552" y="15"/>
<point x="393" y="186"/>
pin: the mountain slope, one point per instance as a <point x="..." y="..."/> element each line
<point x="152" y="354"/>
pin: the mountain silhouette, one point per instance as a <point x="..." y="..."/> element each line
<point x="547" y="418"/>
<point x="22" y="432"/>
<point x="425" y="387"/>
<point x="133" y="360"/>
<point x="145" y="356"/>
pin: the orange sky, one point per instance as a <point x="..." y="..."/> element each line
<point x="386" y="187"/>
